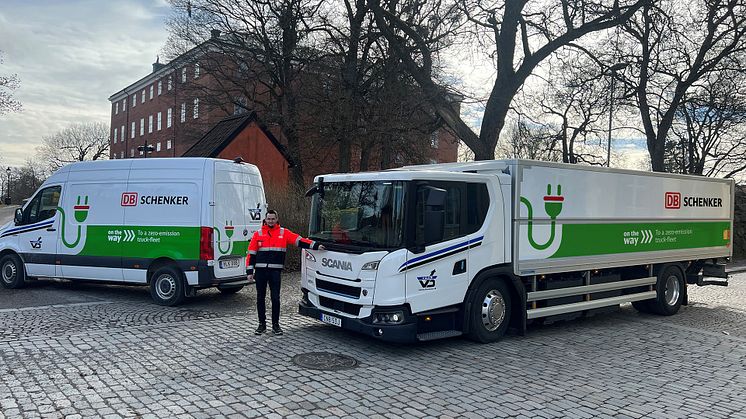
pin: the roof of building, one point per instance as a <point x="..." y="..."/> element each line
<point x="225" y="131"/>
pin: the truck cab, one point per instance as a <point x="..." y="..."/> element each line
<point x="402" y="248"/>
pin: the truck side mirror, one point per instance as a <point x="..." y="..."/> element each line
<point x="18" y="219"/>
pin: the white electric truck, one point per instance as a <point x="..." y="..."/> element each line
<point x="426" y="252"/>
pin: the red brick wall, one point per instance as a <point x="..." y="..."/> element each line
<point x="255" y="148"/>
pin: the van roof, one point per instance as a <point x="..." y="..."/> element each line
<point x="146" y="163"/>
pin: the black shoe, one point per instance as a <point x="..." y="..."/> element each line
<point x="276" y="329"/>
<point x="261" y="329"/>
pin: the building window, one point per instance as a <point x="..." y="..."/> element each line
<point x="122" y="137"/>
<point x="116" y="108"/>
<point x="240" y="106"/>
<point x="151" y="92"/>
<point x="121" y="154"/>
<point x="196" y="70"/>
<point x="140" y="152"/>
<point x="132" y="131"/>
<point x="134" y="100"/>
<point x="183" y="74"/>
<point x="158" y="146"/>
<point x="168" y="118"/>
<point x="142" y="127"/>
<point x="196" y="108"/>
<point x="159" y="121"/>
<point x="434" y="139"/>
<point x="115" y="135"/>
<point x="124" y="104"/>
<point x="168" y="145"/>
<point x="160" y="87"/>
<point x="143" y="96"/>
<point x="132" y="152"/>
<point x="170" y="82"/>
<point x="150" y="124"/>
<point x="183" y="112"/>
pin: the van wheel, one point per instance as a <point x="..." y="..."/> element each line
<point x="490" y="311"/>
<point x="167" y="286"/>
<point x="670" y="290"/>
<point x="230" y="290"/>
<point x="12" y="272"/>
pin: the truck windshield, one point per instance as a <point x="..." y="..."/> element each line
<point x="359" y="214"/>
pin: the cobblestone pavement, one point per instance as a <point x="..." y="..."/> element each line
<point x="72" y="350"/>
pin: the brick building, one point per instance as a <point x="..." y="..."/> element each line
<point x="164" y="111"/>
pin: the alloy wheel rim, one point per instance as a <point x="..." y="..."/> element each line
<point x="493" y="310"/>
<point x="673" y="290"/>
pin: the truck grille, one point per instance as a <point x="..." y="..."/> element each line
<point x="349" y="308"/>
<point x="341" y="289"/>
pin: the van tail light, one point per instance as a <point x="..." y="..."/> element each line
<point x="206" y="248"/>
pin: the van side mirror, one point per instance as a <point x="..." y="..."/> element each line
<point x="18" y="219"/>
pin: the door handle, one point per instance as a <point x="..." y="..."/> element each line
<point x="51" y="229"/>
<point x="459" y="267"/>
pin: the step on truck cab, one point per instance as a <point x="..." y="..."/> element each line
<point x="175" y="225"/>
<point x="426" y="252"/>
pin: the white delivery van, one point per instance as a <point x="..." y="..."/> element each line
<point x="427" y="252"/>
<point x="174" y="224"/>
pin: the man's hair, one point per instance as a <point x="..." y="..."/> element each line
<point x="273" y="212"/>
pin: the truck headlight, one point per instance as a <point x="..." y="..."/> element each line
<point x="309" y="256"/>
<point x="371" y="266"/>
<point x="388" y="318"/>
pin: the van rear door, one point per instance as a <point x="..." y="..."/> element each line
<point x="229" y="220"/>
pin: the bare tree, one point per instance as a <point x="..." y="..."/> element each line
<point x="571" y="107"/>
<point x="674" y="46"/>
<point x="77" y="142"/>
<point x="258" y="62"/>
<point x="519" y="34"/>
<point x="7" y="85"/>
<point x="709" y="132"/>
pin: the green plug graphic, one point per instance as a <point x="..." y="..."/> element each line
<point x="553" y="203"/>
<point x="229" y="229"/>
<point x="81" y="211"/>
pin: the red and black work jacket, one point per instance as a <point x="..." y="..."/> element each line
<point x="268" y="247"/>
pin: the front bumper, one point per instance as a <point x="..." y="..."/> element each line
<point x="405" y="332"/>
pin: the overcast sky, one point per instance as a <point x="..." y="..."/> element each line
<point x="70" y="56"/>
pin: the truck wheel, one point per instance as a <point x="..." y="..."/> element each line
<point x="167" y="286"/>
<point x="230" y="290"/>
<point x="490" y="311"/>
<point x="12" y="272"/>
<point x="670" y="292"/>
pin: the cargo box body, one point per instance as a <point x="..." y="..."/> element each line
<point x="571" y="218"/>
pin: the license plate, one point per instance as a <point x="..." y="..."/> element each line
<point x="334" y="321"/>
<point x="230" y="263"/>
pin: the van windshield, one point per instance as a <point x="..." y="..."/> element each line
<point x="359" y="214"/>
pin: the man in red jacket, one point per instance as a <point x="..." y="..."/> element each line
<point x="264" y="264"/>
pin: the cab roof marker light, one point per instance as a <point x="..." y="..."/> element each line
<point x="371" y="266"/>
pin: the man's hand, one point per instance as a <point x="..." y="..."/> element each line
<point x="321" y="247"/>
<point x="250" y="277"/>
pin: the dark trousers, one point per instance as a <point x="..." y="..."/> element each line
<point x="264" y="276"/>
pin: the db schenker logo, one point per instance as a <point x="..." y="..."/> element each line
<point x="673" y="200"/>
<point x="129" y="199"/>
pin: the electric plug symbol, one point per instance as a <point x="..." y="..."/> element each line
<point x="81" y="211"/>
<point x="229" y="229"/>
<point x="553" y="203"/>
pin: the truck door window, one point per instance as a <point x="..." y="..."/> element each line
<point x="43" y="206"/>
<point x="465" y="208"/>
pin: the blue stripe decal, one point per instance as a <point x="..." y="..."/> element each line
<point x="437" y="252"/>
<point x="23" y="229"/>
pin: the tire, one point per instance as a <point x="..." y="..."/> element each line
<point x="167" y="286"/>
<point x="12" y="272"/>
<point x="491" y="308"/>
<point x="670" y="291"/>
<point x="230" y="290"/>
